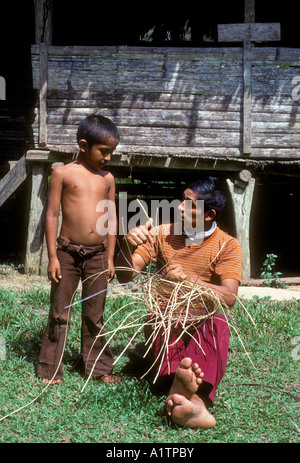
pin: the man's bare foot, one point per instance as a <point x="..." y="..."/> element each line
<point x="188" y="378"/>
<point x="189" y="412"/>
<point x="109" y="379"/>
<point x="53" y="381"/>
<point x="183" y="405"/>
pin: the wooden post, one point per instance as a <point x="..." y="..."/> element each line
<point x="36" y="218"/>
<point x="242" y="193"/>
<point x="249" y="18"/>
<point x="2" y="88"/>
<point x="43" y="95"/>
<point x="43" y="37"/>
<point x="13" y="179"/>
<point x="247" y="33"/>
<point x="43" y="21"/>
<point x="242" y="190"/>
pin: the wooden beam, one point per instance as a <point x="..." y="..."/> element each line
<point x="249" y="17"/>
<point x="43" y="94"/>
<point x="43" y="21"/>
<point x="258" y="32"/>
<point x="49" y="156"/>
<point x="247" y="98"/>
<point x="241" y="192"/>
<point x="248" y="32"/>
<point x="2" y="88"/>
<point x="13" y="179"/>
<point x="43" y="37"/>
<point x="36" y="218"/>
<point x="249" y="11"/>
<point x="160" y="160"/>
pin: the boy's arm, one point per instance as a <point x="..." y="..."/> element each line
<point x="111" y="236"/>
<point x="51" y="223"/>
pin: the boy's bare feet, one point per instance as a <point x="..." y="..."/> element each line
<point x="183" y="405"/>
<point x="53" y="381"/>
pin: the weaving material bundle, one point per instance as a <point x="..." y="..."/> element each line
<point x="176" y="309"/>
<point x="181" y="301"/>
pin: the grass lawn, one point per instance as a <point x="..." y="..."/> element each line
<point x="252" y="406"/>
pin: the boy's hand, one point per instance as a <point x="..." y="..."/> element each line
<point x="110" y="271"/>
<point x="54" y="271"/>
<point x="140" y="234"/>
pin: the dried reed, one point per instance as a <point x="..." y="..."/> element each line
<point x="170" y="305"/>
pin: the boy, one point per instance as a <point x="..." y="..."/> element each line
<point x="82" y="252"/>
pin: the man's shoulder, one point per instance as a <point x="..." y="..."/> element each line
<point x="226" y="238"/>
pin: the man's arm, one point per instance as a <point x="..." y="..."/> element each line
<point x="51" y="222"/>
<point x="128" y="262"/>
<point x="228" y="288"/>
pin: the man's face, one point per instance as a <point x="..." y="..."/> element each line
<point x="190" y="210"/>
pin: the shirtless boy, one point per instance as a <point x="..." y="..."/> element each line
<point x="82" y="251"/>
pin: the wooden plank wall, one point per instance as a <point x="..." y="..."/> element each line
<point x="173" y="101"/>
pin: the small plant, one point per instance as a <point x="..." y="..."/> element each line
<point x="267" y="271"/>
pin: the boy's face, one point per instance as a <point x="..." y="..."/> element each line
<point x="97" y="155"/>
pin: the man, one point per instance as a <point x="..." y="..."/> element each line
<point x="209" y="257"/>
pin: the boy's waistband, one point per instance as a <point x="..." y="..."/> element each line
<point x="83" y="250"/>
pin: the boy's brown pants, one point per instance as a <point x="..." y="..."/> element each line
<point x="86" y="263"/>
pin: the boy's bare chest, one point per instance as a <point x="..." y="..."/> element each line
<point x="86" y="185"/>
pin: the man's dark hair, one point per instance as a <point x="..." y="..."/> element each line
<point x="208" y="189"/>
<point x="95" y="129"/>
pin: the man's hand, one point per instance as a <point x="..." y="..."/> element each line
<point x="140" y="234"/>
<point x="174" y="272"/>
<point x="54" y="271"/>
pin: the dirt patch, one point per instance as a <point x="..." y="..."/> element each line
<point x="12" y="278"/>
<point x="275" y="294"/>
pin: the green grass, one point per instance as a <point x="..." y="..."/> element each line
<point x="252" y="405"/>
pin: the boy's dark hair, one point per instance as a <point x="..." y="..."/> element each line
<point x="208" y="190"/>
<point x="95" y="129"/>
